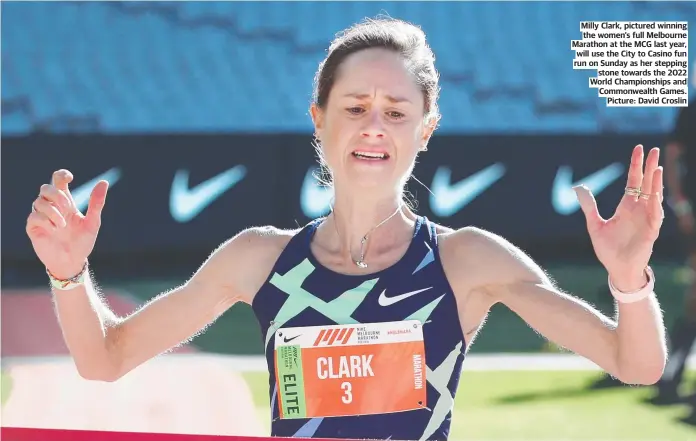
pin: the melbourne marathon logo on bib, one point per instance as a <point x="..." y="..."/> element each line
<point x="342" y="370"/>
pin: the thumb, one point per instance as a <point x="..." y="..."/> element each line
<point x="97" y="200"/>
<point x="588" y="204"/>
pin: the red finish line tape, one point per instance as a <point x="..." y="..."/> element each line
<point x="27" y="434"/>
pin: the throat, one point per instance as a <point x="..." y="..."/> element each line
<point x="381" y="250"/>
<point x="340" y="262"/>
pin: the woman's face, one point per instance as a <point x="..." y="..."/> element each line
<point x="373" y="125"/>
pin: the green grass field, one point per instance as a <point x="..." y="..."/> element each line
<point x="5" y="387"/>
<point x="544" y="406"/>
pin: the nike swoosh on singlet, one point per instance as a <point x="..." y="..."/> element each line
<point x="387" y="301"/>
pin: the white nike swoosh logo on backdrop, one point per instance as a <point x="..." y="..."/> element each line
<point x="386" y="301"/>
<point x="315" y="200"/>
<point x="447" y="199"/>
<point x="82" y="193"/>
<point x="563" y="197"/>
<point x="186" y="203"/>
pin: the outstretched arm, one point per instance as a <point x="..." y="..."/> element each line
<point x="630" y="347"/>
<point x="106" y="347"/>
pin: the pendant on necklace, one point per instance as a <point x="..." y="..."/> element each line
<point x="360" y="263"/>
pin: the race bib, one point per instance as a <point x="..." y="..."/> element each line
<point x="361" y="369"/>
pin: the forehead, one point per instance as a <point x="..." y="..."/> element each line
<point x="377" y="72"/>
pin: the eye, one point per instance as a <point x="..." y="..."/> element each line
<point x="355" y="110"/>
<point x="396" y="115"/>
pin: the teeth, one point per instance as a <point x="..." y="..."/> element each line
<point x="370" y="155"/>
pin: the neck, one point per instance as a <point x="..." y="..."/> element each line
<point x="356" y="215"/>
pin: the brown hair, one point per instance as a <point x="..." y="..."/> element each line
<point x="384" y="33"/>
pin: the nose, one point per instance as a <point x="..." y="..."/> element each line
<point x="374" y="127"/>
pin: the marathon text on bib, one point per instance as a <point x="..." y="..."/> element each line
<point x="361" y="369"/>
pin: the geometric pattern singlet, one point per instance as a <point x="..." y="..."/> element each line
<point x="301" y="292"/>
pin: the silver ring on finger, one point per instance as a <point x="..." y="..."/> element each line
<point x="645" y="196"/>
<point x="33" y="207"/>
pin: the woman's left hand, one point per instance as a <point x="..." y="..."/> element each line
<point x="624" y="243"/>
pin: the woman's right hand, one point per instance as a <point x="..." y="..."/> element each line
<point x="63" y="237"/>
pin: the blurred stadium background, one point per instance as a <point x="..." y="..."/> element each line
<point x="159" y="96"/>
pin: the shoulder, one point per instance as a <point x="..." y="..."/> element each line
<point x="471" y="244"/>
<point x="261" y="242"/>
<point x="470" y="240"/>
<point x="465" y="237"/>
<point x="243" y="262"/>
<point x="265" y="238"/>
<point x="484" y="258"/>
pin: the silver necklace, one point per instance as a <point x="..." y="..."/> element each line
<point x="361" y="263"/>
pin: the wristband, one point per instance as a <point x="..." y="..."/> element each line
<point x="68" y="284"/>
<point x="635" y="296"/>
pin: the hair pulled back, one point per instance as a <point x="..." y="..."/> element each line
<point x="384" y="33"/>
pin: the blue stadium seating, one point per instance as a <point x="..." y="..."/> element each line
<point x="120" y="67"/>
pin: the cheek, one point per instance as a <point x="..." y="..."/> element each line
<point x="332" y="138"/>
<point x="338" y="133"/>
<point x="411" y="140"/>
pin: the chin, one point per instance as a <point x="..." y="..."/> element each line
<point x="372" y="181"/>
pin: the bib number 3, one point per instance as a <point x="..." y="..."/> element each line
<point x="348" y="370"/>
<point x="347" y="397"/>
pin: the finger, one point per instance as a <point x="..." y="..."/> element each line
<point x="60" y="179"/>
<point x="57" y="198"/>
<point x="650" y="166"/>
<point x="656" y="207"/>
<point x="588" y="204"/>
<point x="97" y="200"/>
<point x="37" y="220"/>
<point x="41" y="205"/>
<point x="635" y="171"/>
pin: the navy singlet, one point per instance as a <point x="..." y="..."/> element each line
<point x="297" y="276"/>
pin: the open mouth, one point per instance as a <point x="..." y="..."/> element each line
<point x="371" y="156"/>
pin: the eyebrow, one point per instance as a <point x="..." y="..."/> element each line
<point x="393" y="99"/>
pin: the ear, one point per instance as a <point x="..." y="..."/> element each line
<point x="428" y="130"/>
<point x="317" y="118"/>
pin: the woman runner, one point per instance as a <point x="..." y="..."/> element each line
<point x="371" y="260"/>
